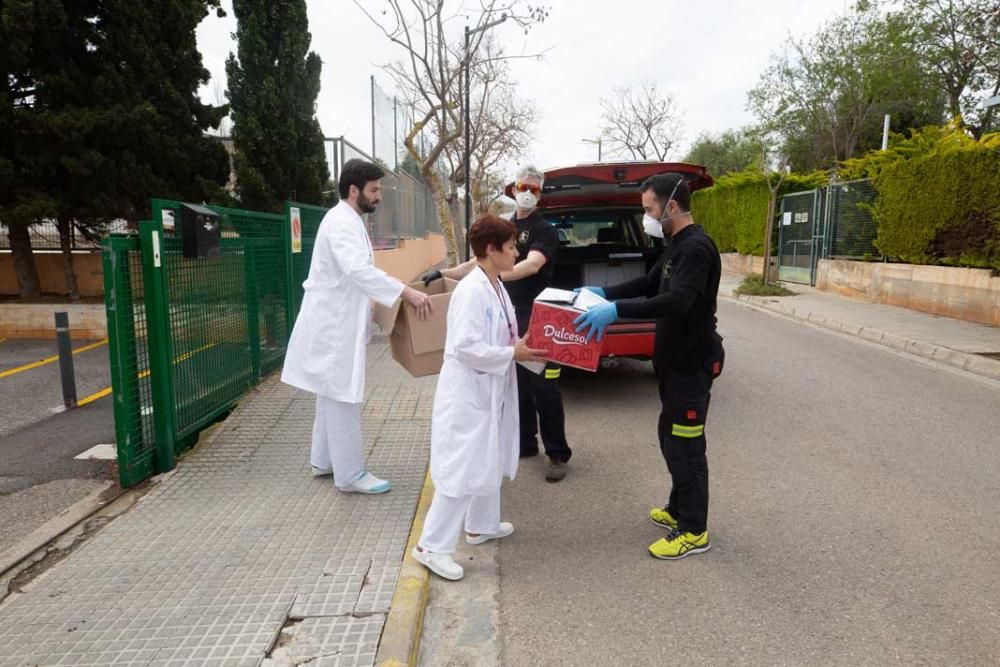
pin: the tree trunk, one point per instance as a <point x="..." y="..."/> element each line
<point x="444" y="213"/>
<point x="767" y="236"/>
<point x="66" y="243"/>
<point x="478" y="205"/>
<point x="24" y="260"/>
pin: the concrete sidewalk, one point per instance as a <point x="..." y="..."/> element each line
<point x="240" y="556"/>
<point x="968" y="345"/>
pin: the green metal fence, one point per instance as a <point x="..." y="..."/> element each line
<point x="189" y="336"/>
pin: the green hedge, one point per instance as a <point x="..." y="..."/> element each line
<point x="938" y="198"/>
<point x="733" y="210"/>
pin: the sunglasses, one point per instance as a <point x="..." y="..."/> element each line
<point x="527" y="187"/>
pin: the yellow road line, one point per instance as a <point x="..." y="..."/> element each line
<point x="49" y="360"/>
<point x="3" y="340"/>
<point x="93" y="397"/>
<point x="107" y="390"/>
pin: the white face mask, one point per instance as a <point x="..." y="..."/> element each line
<point x="526" y="201"/>
<point x="652" y="226"/>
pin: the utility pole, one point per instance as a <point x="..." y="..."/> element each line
<point x="468" y="167"/>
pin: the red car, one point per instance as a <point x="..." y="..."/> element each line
<point x="598" y="211"/>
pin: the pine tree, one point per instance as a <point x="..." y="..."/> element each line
<point x="273" y="83"/>
<point x="100" y="114"/>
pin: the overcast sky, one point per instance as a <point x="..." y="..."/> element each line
<point x="706" y="54"/>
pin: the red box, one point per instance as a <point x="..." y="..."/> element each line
<point x="552" y="329"/>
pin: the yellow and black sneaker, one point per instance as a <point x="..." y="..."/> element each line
<point x="678" y="545"/>
<point x="662" y="518"/>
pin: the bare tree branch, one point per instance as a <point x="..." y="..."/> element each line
<point x="642" y="122"/>
<point x="431" y="81"/>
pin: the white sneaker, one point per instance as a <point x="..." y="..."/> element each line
<point x="321" y="472"/>
<point x="506" y="529"/>
<point x="443" y="565"/>
<point x="367" y="483"/>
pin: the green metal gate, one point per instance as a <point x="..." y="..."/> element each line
<point x="795" y="236"/>
<point x="188" y="337"/>
<point x="832" y="221"/>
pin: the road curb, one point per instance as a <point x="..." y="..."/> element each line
<point x="973" y="363"/>
<point x="400" y="643"/>
<point x="56" y="526"/>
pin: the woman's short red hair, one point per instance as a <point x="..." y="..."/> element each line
<point x="490" y="230"/>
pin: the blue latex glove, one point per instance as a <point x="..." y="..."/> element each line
<point x="596" y="290"/>
<point x="596" y="320"/>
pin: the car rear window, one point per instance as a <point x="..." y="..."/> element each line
<point x="588" y="228"/>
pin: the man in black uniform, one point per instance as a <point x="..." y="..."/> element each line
<point x="539" y="394"/>
<point x="680" y="292"/>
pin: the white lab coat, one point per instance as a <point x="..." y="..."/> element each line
<point x="326" y="352"/>
<point x="474" y="429"/>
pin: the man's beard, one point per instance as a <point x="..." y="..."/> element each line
<point x="365" y="204"/>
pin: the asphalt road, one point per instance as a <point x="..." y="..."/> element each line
<point x="39" y="476"/>
<point x="853" y="516"/>
<point x="35" y="394"/>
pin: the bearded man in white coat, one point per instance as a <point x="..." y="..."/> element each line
<point x="475" y="439"/>
<point x="326" y="352"/>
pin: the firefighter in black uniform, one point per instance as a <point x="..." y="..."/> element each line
<point x="539" y="394"/>
<point x="680" y="292"/>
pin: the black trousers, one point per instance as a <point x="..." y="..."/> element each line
<point x="540" y="402"/>
<point x="684" y="398"/>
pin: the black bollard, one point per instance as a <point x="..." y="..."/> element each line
<point x="66" y="360"/>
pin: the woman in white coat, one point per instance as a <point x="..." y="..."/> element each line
<point x="474" y="429"/>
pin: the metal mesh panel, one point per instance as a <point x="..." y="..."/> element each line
<point x="407" y="209"/>
<point x="795" y="238"/>
<point x="417" y="212"/>
<point x="386" y="129"/>
<point x="210" y="331"/>
<point x="127" y="347"/>
<point x="266" y="279"/>
<point x="853" y="230"/>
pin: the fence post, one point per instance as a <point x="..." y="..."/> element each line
<point x="161" y="369"/>
<point x="118" y="300"/>
<point x="286" y="237"/>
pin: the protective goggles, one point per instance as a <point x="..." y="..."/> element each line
<point x="527" y="187"/>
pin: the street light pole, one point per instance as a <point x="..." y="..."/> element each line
<point x="465" y="161"/>
<point x="468" y="159"/>
<point x="594" y="141"/>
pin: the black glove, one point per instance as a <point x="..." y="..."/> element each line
<point x="430" y="277"/>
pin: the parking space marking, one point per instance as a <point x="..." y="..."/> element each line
<point x="107" y="390"/>
<point x="93" y="397"/>
<point x="49" y="360"/>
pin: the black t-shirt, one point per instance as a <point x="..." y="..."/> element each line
<point x="533" y="233"/>
<point x="680" y="292"/>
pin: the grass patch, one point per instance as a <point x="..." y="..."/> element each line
<point x="754" y="286"/>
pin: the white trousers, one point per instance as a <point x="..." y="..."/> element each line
<point x="336" y="441"/>
<point x="443" y="525"/>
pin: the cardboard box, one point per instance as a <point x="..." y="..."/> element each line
<point x="552" y="329"/>
<point x="418" y="346"/>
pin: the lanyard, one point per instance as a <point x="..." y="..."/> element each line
<point x="503" y="306"/>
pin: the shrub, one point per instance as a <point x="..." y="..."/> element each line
<point x="938" y="197"/>
<point x="733" y="210"/>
